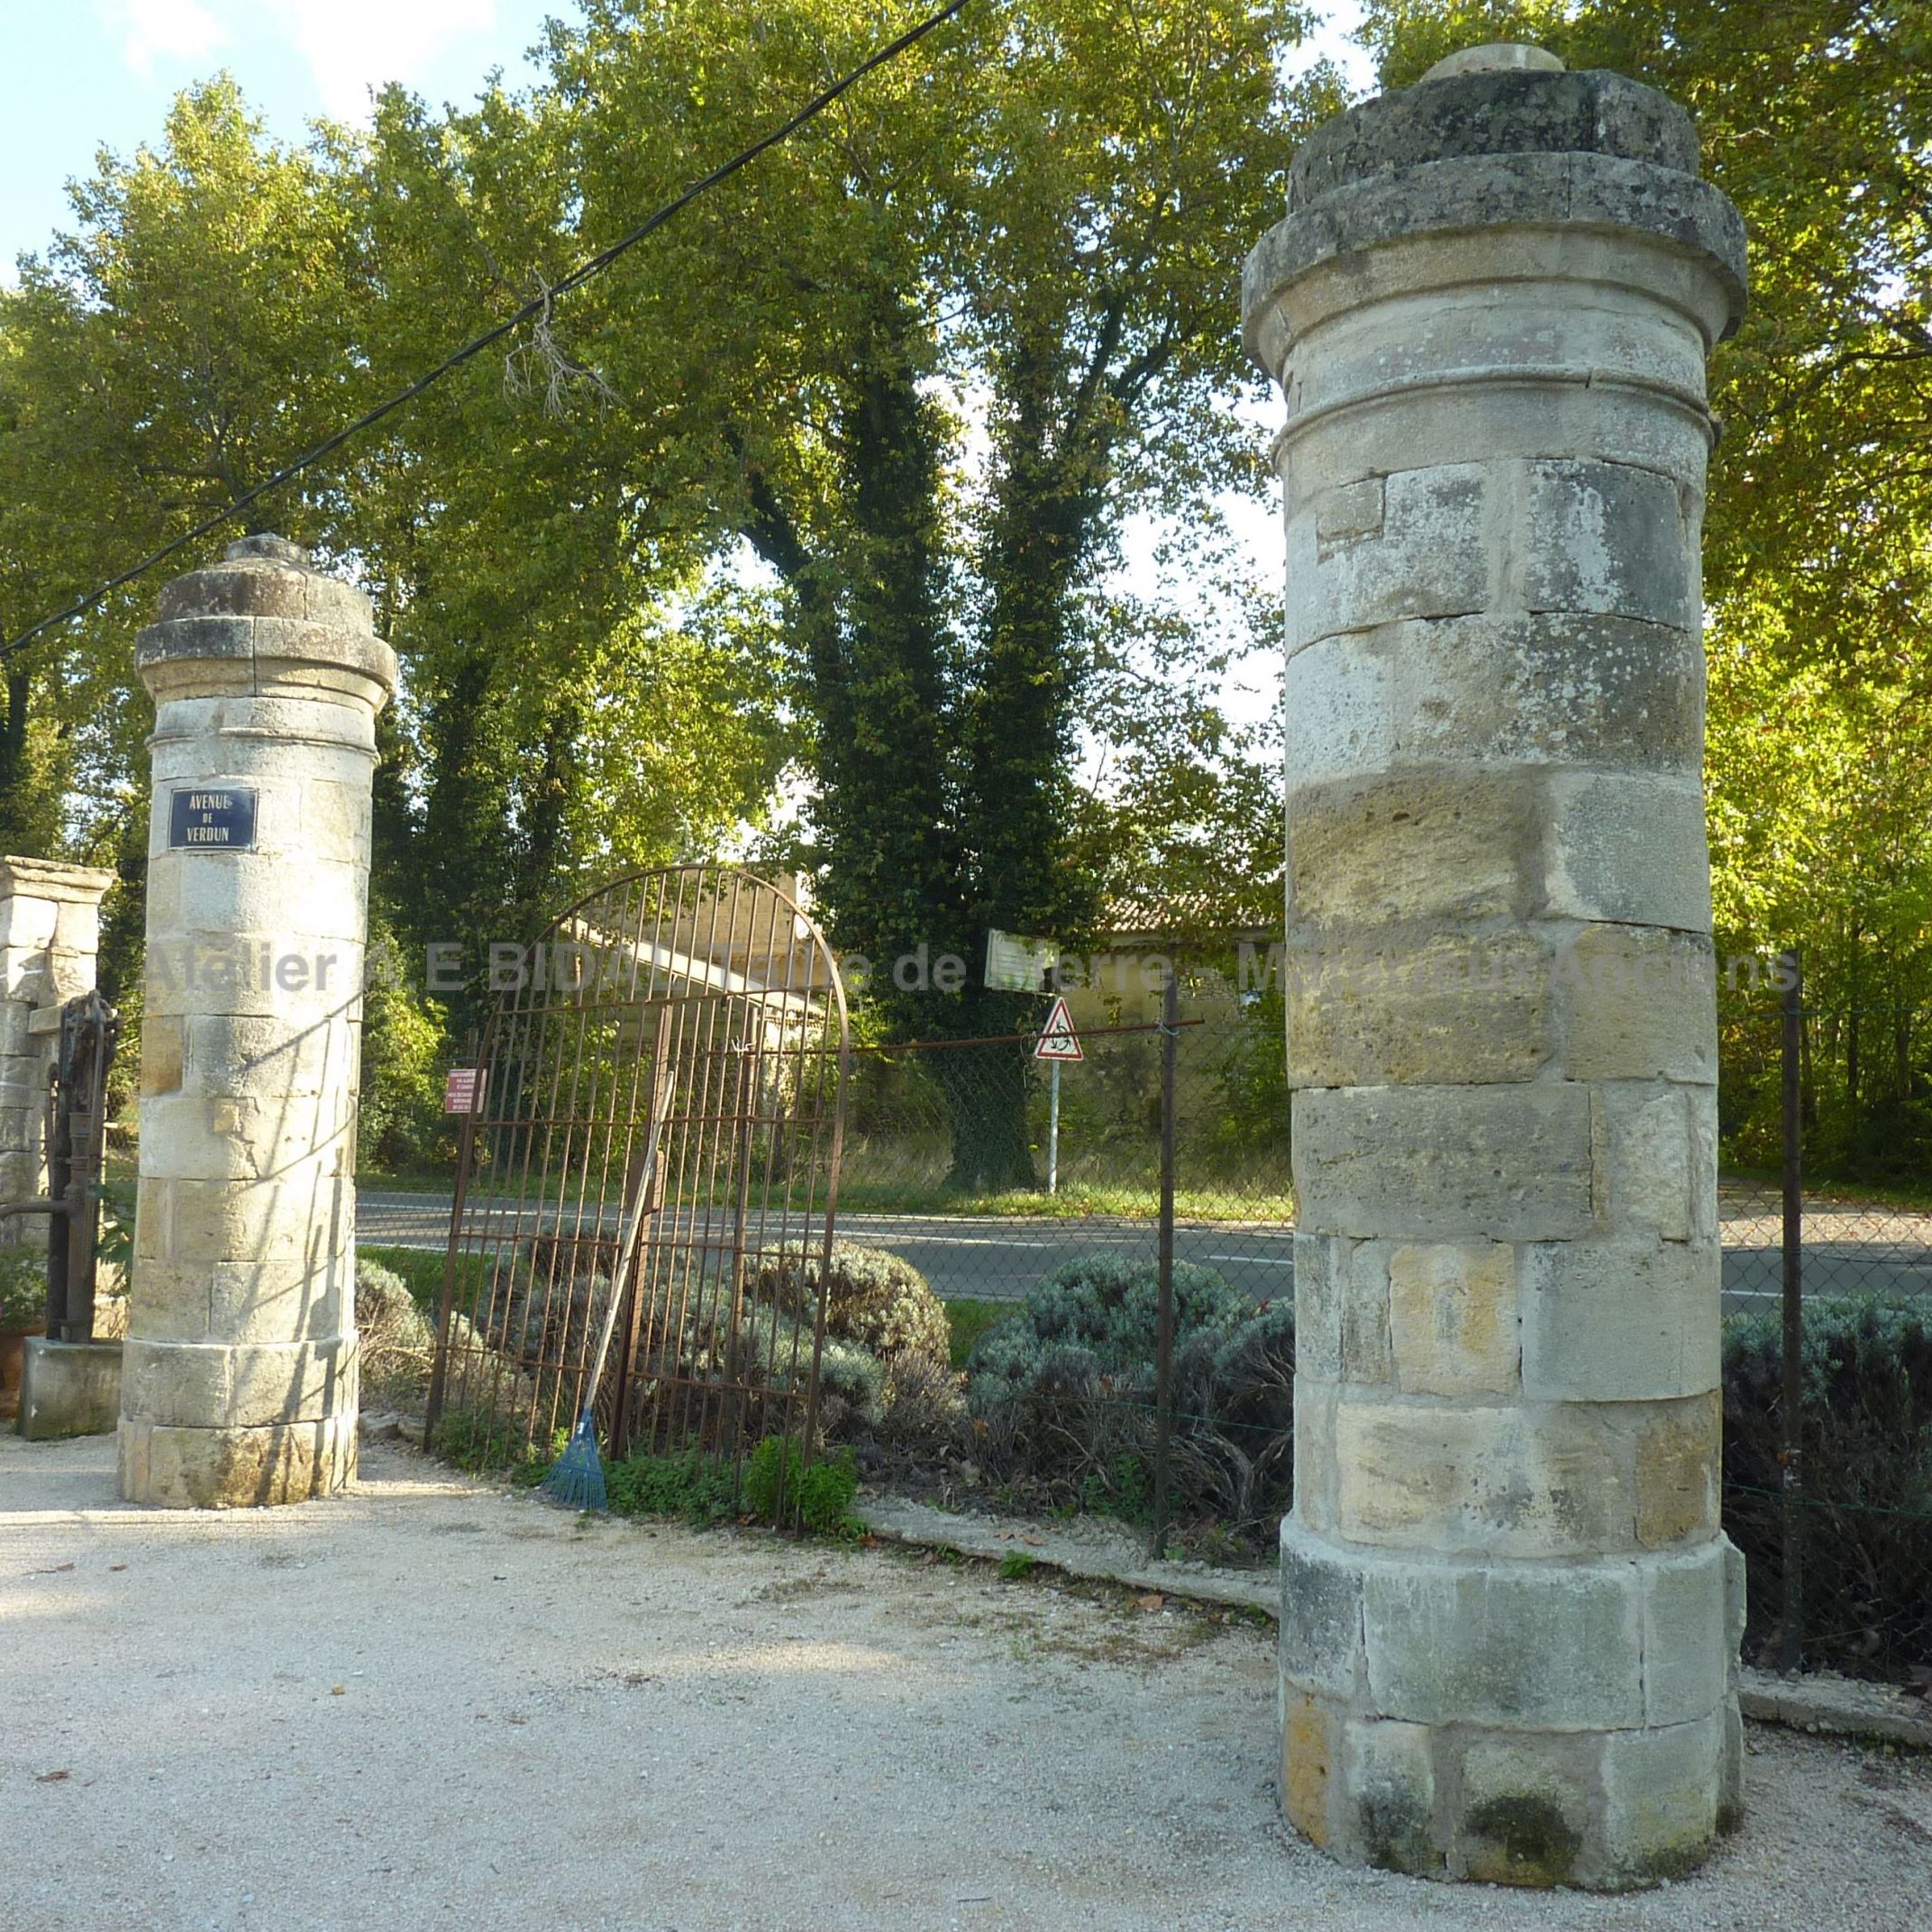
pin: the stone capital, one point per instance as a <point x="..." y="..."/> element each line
<point x="53" y="879"/>
<point x="1525" y="148"/>
<point x="265" y="623"/>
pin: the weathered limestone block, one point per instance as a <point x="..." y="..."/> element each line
<point x="1619" y="1322"/>
<point x="1453" y="1319"/>
<point x="235" y="1468"/>
<point x="1557" y="689"/>
<point x="1507" y="1162"/>
<point x="1341" y="1309"/>
<point x="69" y="1389"/>
<point x="1513" y="1686"/>
<point x="238" y="1383"/>
<point x="1509" y="1619"/>
<point x="1627" y="847"/>
<point x="1633" y="1004"/>
<point x="1413" y="1006"/>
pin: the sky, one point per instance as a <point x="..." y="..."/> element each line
<point x="82" y="74"/>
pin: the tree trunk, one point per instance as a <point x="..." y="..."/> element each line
<point x="986" y="1096"/>
<point x="16" y="809"/>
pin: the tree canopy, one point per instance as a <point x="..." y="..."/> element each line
<point x="823" y="525"/>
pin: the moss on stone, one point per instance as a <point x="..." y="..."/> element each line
<point x="1393" y="1824"/>
<point x="1538" y="1844"/>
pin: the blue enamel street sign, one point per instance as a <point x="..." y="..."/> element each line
<point x="216" y="819"/>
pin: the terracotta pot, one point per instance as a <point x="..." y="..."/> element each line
<point x="13" y="1358"/>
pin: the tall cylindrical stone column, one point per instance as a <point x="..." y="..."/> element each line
<point x="239" y="1374"/>
<point x="1509" y="1618"/>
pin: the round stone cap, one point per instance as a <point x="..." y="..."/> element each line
<point x="1498" y="136"/>
<point x="1495" y="57"/>
<point x="277" y="550"/>
<point x="1456" y="112"/>
<point x="261" y="616"/>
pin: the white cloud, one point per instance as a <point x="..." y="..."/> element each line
<point x="167" y="30"/>
<point x="353" y="45"/>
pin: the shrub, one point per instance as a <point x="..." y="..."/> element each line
<point x="873" y="1297"/>
<point x="775" y="1353"/>
<point x="1063" y="1392"/>
<point x="22" y="1288"/>
<point x="691" y="1485"/>
<point x="777" y="1485"/>
<point x="1867" y="1522"/>
<point x="547" y="1324"/>
<point x="496" y="1444"/>
<point x="396" y="1345"/>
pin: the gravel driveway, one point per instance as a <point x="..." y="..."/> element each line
<point x="433" y="1704"/>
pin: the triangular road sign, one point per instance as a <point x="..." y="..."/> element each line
<point x="1058" y="1039"/>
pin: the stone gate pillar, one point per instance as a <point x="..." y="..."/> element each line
<point x="239" y="1375"/>
<point x="1509" y="1619"/>
<point x="49" y="933"/>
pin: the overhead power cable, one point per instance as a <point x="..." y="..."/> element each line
<point x="591" y="266"/>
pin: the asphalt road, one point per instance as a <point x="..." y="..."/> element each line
<point x="998" y="1257"/>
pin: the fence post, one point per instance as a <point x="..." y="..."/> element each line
<point x="1790" y="1646"/>
<point x="1165" y="1316"/>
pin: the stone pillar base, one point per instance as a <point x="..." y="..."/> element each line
<point x="1555" y="1722"/>
<point x="174" y="1468"/>
<point x="70" y="1389"/>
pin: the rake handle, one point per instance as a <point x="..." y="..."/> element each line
<point x="627" y="1246"/>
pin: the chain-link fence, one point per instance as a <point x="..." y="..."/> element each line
<point x="1039" y="1225"/>
<point x="1828" y="1358"/>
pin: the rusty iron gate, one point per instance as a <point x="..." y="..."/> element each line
<point x="675" y="1049"/>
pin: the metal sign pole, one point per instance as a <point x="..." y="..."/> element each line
<point x="1053" y="1131"/>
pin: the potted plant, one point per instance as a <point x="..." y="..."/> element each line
<point x="22" y="1312"/>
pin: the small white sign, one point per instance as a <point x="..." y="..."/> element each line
<point x="1017" y="965"/>
<point x="1058" y="1039"/>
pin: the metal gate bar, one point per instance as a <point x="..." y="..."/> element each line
<point x="711" y="995"/>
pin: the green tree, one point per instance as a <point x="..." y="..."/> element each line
<point x="940" y="348"/>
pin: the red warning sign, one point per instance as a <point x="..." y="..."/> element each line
<point x="1058" y="1039"/>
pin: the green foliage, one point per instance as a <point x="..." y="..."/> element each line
<point x="496" y="1444"/>
<point x="1124" y="1490"/>
<point x="22" y="1288"/>
<point x="691" y="1485"/>
<point x="399" y="1123"/>
<point x="115" y="1245"/>
<point x="874" y="1299"/>
<point x="1867" y="1378"/>
<point x="145" y="378"/>
<point x="1015" y="1566"/>
<point x="1094" y="1318"/>
<point x="852" y="1382"/>
<point x="968" y="1320"/>
<point x="779" y="1487"/>
<point x="1063" y="1392"/>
